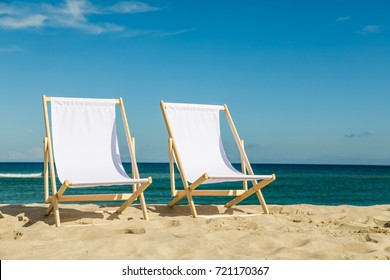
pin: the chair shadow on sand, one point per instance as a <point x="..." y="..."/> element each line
<point x="207" y="210"/>
<point x="31" y="214"/>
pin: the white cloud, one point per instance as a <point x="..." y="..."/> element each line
<point x="174" y="33"/>
<point x="13" y="48"/>
<point x="343" y="18"/>
<point x="75" y="9"/>
<point x="370" y="29"/>
<point x="24" y="22"/>
<point x="98" y="29"/>
<point x="129" y="8"/>
<point x="156" y="33"/>
<point x="72" y="14"/>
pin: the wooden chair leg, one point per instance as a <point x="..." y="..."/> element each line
<point x="49" y="209"/>
<point x="192" y="205"/>
<point x="56" y="212"/>
<point x="178" y="198"/>
<point x="143" y="206"/>
<point x="249" y="192"/>
<point x="262" y="202"/>
<point x="134" y="196"/>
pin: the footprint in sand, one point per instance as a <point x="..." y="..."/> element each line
<point x="135" y="230"/>
<point x="84" y="221"/>
<point x="173" y="223"/>
<point x="369" y="239"/>
<point x="17" y="234"/>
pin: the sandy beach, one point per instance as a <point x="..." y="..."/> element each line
<point x="297" y="232"/>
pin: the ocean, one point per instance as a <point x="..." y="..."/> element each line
<point x="22" y="183"/>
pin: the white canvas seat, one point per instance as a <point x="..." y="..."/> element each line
<point x="196" y="145"/>
<point x="82" y="141"/>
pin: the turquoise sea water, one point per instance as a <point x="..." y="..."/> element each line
<point x="22" y="183"/>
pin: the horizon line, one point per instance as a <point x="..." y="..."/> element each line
<point x="253" y="163"/>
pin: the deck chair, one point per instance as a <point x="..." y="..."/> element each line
<point x="82" y="141"/>
<point x="195" y="145"/>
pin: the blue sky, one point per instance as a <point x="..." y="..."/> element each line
<point x="305" y="81"/>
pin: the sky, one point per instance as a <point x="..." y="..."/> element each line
<point x="306" y="82"/>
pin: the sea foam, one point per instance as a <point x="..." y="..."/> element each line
<point x="20" y="175"/>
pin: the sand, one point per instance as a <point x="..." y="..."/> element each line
<point x="292" y="232"/>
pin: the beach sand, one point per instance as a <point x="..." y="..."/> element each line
<point x="297" y="232"/>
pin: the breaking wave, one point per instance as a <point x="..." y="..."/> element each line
<point x="21" y="175"/>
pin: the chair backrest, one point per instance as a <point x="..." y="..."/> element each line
<point x="197" y="138"/>
<point x="85" y="141"/>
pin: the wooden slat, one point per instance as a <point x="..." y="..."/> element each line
<point x="48" y="99"/>
<point x="245" y="159"/>
<point x="63" y="188"/>
<point x="179" y="165"/>
<point x="49" y="144"/>
<point x="243" y="168"/>
<point x="54" y="203"/>
<point x="130" y="140"/>
<point x="138" y="193"/>
<point x="95" y="197"/>
<point x="171" y="166"/>
<point x="249" y="192"/>
<point x="190" y="189"/>
<point x="45" y="170"/>
<point x="135" y="172"/>
<point x="214" y="192"/>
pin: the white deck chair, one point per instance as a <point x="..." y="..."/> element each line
<point x="82" y="140"/>
<point x="195" y="144"/>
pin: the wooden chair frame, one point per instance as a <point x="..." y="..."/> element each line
<point x="58" y="196"/>
<point x="190" y="190"/>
